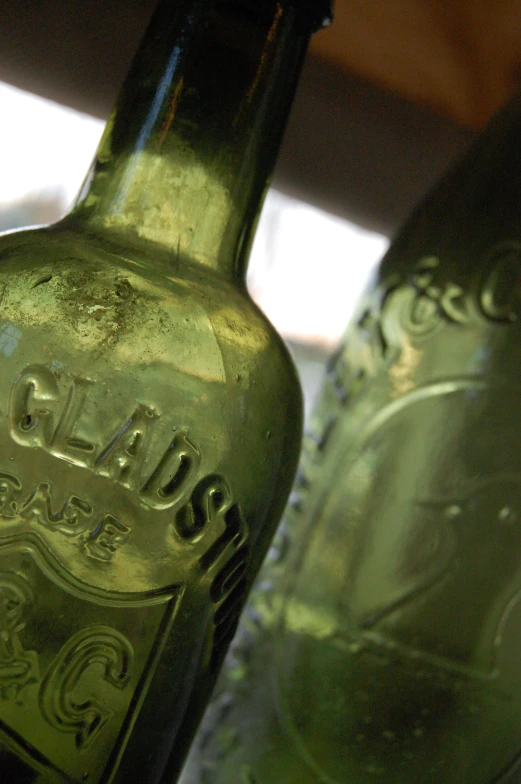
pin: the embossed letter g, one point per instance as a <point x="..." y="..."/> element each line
<point x="29" y="424"/>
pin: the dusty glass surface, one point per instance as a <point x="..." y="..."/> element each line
<point x="382" y="641"/>
<point x="149" y="415"/>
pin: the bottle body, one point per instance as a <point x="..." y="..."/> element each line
<point x="381" y="642"/>
<point x="139" y="464"/>
<point x="150" y="415"/>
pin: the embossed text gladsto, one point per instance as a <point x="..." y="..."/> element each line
<point x="33" y="423"/>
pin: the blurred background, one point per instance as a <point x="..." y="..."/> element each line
<point x="391" y="94"/>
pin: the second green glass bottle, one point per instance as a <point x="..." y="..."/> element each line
<point x="382" y="642"/>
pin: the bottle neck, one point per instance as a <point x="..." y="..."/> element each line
<point x="187" y="153"/>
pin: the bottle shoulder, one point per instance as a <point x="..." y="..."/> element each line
<point x="102" y="301"/>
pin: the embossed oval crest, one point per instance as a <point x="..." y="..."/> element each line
<point x="394" y="658"/>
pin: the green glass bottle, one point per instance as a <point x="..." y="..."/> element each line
<point x="382" y="641"/>
<point x="150" y="416"/>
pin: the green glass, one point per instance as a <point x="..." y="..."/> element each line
<point x="150" y="416"/>
<point x="382" y="641"/>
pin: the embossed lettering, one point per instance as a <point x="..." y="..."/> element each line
<point x="18" y="668"/>
<point x="374" y="344"/>
<point x="208" y="505"/>
<point x="499" y="294"/>
<point x="122" y="458"/>
<point x="170" y="482"/>
<point x="230" y="575"/>
<point x="228" y="589"/>
<point x="34" y="408"/>
<point x="106" y="538"/>
<point x="434" y="300"/>
<point x="72" y="519"/>
<point x="234" y="532"/>
<point x="30" y="422"/>
<point x="212" y="507"/>
<point x="58" y="704"/>
<point x="65" y="443"/>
